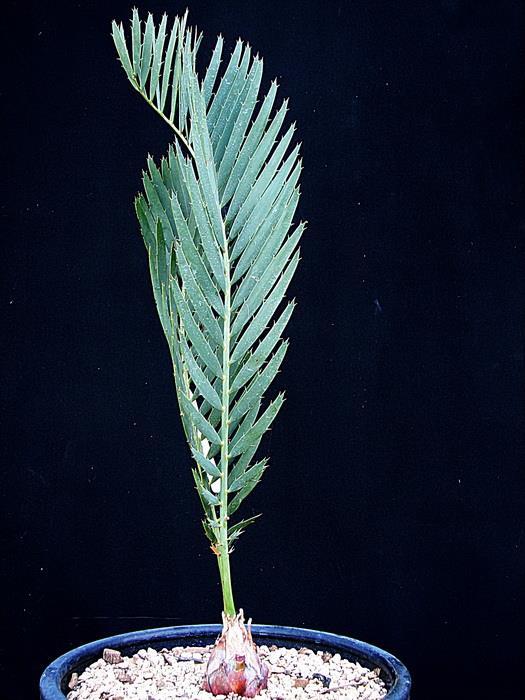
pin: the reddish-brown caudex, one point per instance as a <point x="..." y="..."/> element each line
<point x="234" y="665"/>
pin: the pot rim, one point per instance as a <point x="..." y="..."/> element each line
<point x="52" y="677"/>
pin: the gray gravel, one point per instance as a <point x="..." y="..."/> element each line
<point x="168" y="674"/>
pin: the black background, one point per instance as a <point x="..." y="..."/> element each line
<point x="393" y="505"/>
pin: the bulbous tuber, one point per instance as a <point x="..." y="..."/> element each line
<point x="234" y="665"/>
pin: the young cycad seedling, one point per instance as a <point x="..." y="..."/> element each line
<point x="216" y="217"/>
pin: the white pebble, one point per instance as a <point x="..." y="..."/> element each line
<point x="177" y="673"/>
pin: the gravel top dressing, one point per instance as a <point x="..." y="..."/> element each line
<point x="178" y="673"/>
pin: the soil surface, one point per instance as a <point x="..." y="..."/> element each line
<point x="168" y="674"/>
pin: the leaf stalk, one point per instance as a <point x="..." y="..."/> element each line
<point x="223" y="549"/>
<point x="168" y="121"/>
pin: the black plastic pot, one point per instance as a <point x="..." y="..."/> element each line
<point x="53" y="683"/>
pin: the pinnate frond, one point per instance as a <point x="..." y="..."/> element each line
<point x="216" y="217"/>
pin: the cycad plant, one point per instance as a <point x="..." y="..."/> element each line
<point x="216" y="217"/>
